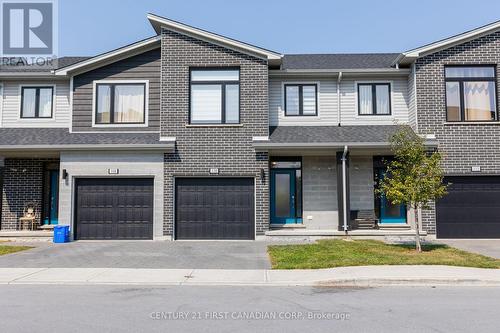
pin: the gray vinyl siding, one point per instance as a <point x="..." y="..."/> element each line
<point x="10" y="110"/>
<point x="399" y="102"/>
<point x="145" y="66"/>
<point x="328" y="105"/>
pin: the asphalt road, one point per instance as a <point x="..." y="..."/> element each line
<point x="45" y="308"/>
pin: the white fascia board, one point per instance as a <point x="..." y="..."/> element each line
<point x="333" y="145"/>
<point x="305" y="145"/>
<point x="158" y="22"/>
<point x="30" y="75"/>
<point x="168" y="139"/>
<point x="448" y="42"/>
<point x="111" y="56"/>
<point x="70" y="147"/>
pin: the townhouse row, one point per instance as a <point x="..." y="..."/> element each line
<point x="193" y="135"/>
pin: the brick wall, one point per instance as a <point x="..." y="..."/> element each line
<point x="200" y="148"/>
<point x="463" y="145"/>
<point x="22" y="182"/>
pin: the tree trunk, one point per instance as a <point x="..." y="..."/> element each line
<point x="417" y="231"/>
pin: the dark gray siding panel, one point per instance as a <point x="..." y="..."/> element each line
<point x="145" y="66"/>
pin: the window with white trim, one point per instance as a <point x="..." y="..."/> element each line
<point x="374" y="99"/>
<point x="36" y="102"/>
<point x="301" y="100"/>
<point x="215" y="96"/>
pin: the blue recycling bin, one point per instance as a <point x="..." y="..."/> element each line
<point x="61" y="234"/>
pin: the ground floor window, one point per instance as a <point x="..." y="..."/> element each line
<point x="286" y="190"/>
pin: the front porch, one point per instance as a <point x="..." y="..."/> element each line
<point x="30" y="195"/>
<point x="323" y="181"/>
<point x="307" y="196"/>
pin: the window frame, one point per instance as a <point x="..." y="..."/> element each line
<point x="222" y="84"/>
<point x="301" y="99"/>
<point x="113" y="83"/>
<point x="460" y="81"/>
<point x="374" y="98"/>
<point x="37" y="101"/>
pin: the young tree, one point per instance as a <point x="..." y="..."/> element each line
<point x="414" y="177"/>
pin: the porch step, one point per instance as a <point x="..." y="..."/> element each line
<point x="47" y="227"/>
<point x="287" y="226"/>
<point x="396" y="226"/>
<point x="365" y="224"/>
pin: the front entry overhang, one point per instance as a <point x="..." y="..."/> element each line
<point x="362" y="139"/>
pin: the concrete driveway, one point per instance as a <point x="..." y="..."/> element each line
<point x="487" y="247"/>
<point x="143" y="254"/>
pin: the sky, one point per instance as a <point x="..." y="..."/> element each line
<point x="90" y="27"/>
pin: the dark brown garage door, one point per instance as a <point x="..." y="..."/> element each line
<point x="471" y="209"/>
<point x="114" y="208"/>
<point x="214" y="208"/>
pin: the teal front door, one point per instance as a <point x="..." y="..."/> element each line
<point x="51" y="197"/>
<point x="390" y="213"/>
<point x="283" y="206"/>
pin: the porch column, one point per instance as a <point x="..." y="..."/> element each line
<point x="344" y="207"/>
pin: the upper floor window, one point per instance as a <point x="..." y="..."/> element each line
<point x="120" y="103"/>
<point x="36" y="102"/>
<point x="215" y="96"/>
<point x="470" y="93"/>
<point x="301" y="100"/>
<point x="374" y="99"/>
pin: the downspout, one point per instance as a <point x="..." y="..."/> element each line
<point x="339" y="78"/>
<point x="344" y="187"/>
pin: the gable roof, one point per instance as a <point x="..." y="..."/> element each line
<point x="338" y="61"/>
<point x="410" y="55"/>
<point x="158" y="22"/>
<point x="111" y="56"/>
<point x="34" y="71"/>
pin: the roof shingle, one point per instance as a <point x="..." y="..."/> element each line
<point x="332" y="134"/>
<point x="62" y="136"/>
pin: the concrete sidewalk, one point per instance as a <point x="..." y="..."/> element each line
<point x="343" y="276"/>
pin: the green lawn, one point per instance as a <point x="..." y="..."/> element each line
<point x="6" y="249"/>
<point x="337" y="253"/>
